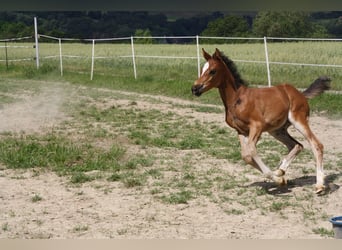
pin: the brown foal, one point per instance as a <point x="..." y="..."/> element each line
<point x="252" y="111"/>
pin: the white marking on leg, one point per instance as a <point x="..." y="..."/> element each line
<point x="290" y="157"/>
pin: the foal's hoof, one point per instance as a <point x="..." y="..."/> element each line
<point x="320" y="189"/>
<point x="281" y="181"/>
<point x="279" y="172"/>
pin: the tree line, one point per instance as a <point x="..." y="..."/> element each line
<point x="105" y="24"/>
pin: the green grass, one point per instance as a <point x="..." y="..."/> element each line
<point x="56" y="153"/>
<point x="328" y="104"/>
<point x="323" y="232"/>
<point x="181" y="197"/>
<point x="36" y="198"/>
<point x="174" y="77"/>
<point x="185" y="70"/>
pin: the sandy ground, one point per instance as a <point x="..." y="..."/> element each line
<point x="102" y="209"/>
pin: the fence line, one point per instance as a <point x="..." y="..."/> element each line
<point x="305" y="39"/>
<point x="16" y="39"/>
<point x="231" y="38"/>
<point x="308" y="64"/>
<point x="16" y="46"/>
<point x="133" y="54"/>
<point x="17" y="60"/>
<point x="6" y="46"/>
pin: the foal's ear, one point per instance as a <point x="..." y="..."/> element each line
<point x="217" y="54"/>
<point x="206" y="55"/>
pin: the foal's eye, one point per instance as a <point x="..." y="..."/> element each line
<point x="212" y="72"/>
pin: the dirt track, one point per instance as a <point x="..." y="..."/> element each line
<point x="102" y="209"/>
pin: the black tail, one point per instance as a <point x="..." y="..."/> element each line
<point x="317" y="87"/>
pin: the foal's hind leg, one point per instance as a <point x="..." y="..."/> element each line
<point x="292" y="145"/>
<point x="300" y="122"/>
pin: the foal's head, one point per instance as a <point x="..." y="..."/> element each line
<point x="216" y="71"/>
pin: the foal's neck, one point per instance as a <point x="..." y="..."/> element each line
<point x="228" y="92"/>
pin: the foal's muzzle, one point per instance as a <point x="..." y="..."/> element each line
<point x="197" y="89"/>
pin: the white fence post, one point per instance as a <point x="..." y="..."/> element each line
<point x="267" y="62"/>
<point x="92" y="60"/>
<point x="133" y="58"/>
<point x="6" y="55"/>
<point x="198" y="57"/>
<point x="60" y="55"/>
<point x="36" y="40"/>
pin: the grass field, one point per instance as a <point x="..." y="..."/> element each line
<point x="114" y="60"/>
<point x="174" y="77"/>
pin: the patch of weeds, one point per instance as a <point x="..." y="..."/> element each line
<point x="209" y="109"/>
<point x="234" y="211"/>
<point x="39" y="222"/>
<point x="6" y="99"/>
<point x="155" y="191"/>
<point x="226" y="198"/>
<point x="60" y="154"/>
<point x="304" y="157"/>
<point x="139" y="160"/>
<point x="231" y="183"/>
<point x="181" y="197"/>
<point x="339" y="161"/>
<point x="122" y="231"/>
<point x="114" y="177"/>
<point x="5" y="227"/>
<point x="131" y="179"/>
<point x="29" y="72"/>
<point x="192" y="142"/>
<point x="309" y="214"/>
<point x="278" y="206"/>
<point x="36" y="198"/>
<point x="80" y="177"/>
<point x="188" y="176"/>
<point x="161" y="141"/>
<point x="139" y="137"/>
<point x="32" y="152"/>
<point x="154" y="173"/>
<point x="323" y="232"/>
<point x="12" y="213"/>
<point x="306" y="171"/>
<point x="100" y="133"/>
<point x="80" y="228"/>
<point x="261" y="191"/>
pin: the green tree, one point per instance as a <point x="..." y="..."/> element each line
<point x="143" y="33"/>
<point x="13" y="30"/>
<point x="228" y="26"/>
<point x="286" y="24"/>
<point x="334" y="26"/>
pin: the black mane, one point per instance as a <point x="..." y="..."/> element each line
<point x="233" y="69"/>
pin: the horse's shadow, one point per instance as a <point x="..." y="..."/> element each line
<point x="274" y="189"/>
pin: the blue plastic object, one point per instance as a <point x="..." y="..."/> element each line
<point x="337" y="226"/>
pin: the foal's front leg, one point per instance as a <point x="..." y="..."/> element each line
<point x="250" y="156"/>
